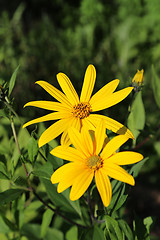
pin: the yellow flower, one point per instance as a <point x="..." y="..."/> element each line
<point x="92" y="158"/>
<point x="138" y="79"/>
<point x="72" y="111"/>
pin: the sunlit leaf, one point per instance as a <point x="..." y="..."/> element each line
<point x="12" y="80"/>
<point x="156" y="86"/>
<point x="113" y="227"/>
<point x="136" y="119"/>
<point x="46" y="220"/>
<point x="32" y="149"/>
<point x="9" y="195"/>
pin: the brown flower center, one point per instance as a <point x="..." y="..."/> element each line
<point x="81" y="110"/>
<point x="94" y="162"/>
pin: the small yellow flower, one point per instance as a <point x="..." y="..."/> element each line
<point x="93" y="158"/>
<point x="138" y="79"/>
<point x="70" y="110"/>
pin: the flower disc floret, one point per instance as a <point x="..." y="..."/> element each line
<point x="94" y="162"/>
<point x="81" y="110"/>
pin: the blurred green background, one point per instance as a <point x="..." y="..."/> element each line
<point x="117" y="37"/>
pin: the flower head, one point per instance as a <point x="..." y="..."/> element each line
<point x="138" y="79"/>
<point x="93" y="158"/>
<point x="70" y="110"/>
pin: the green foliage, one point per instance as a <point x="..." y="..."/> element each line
<point x="45" y="38"/>
<point x="156" y="86"/>
<point x="136" y="119"/>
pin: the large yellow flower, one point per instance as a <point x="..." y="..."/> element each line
<point x="76" y="112"/>
<point x="92" y="158"/>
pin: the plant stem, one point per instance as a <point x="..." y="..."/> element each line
<point x="57" y="212"/>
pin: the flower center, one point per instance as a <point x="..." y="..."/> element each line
<point x="94" y="162"/>
<point x="81" y="110"/>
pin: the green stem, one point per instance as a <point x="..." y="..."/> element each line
<point x="57" y="212"/>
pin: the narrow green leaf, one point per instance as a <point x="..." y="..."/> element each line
<point x="3" y="226"/>
<point x="43" y="171"/>
<point x="9" y="195"/>
<point x="20" y="207"/>
<point x="94" y="233"/>
<point x="46" y="220"/>
<point x="32" y="149"/>
<point x="113" y="227"/>
<point x="3" y="113"/>
<point x="72" y="233"/>
<point x="12" y="80"/>
<point x="98" y="233"/>
<point x="32" y="231"/>
<point x="136" y="119"/>
<point x="61" y="200"/>
<point x="3" y="176"/>
<point x="118" y="197"/>
<point x="125" y="229"/>
<point x="156" y="86"/>
<point x="137" y="167"/>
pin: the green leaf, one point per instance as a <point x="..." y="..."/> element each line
<point x="136" y="119"/>
<point x="9" y="195"/>
<point x="3" y="113"/>
<point x="156" y="86"/>
<point x="72" y="233"/>
<point x="94" y="233"/>
<point x="32" y="149"/>
<point x="148" y="221"/>
<point x="118" y="197"/>
<point x="61" y="200"/>
<point x="3" y="172"/>
<point x="43" y="171"/>
<point x="98" y="233"/>
<point x="20" y="207"/>
<point x="140" y="231"/>
<point x="32" y="231"/>
<point x="12" y="81"/>
<point x="125" y="229"/>
<point x="46" y="220"/>
<point x="137" y="167"/>
<point x="3" y="226"/>
<point x="113" y="228"/>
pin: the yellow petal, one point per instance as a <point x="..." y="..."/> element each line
<point x="69" y="177"/>
<point x="65" y="140"/>
<point x="87" y="124"/>
<point x="110" y="100"/>
<point x="87" y="141"/>
<point x="54" y="92"/>
<point x="68" y="153"/>
<point x="88" y="84"/>
<point x="57" y="176"/>
<point x="110" y="124"/>
<point x="113" y="145"/>
<point x="66" y="175"/>
<point x="76" y="140"/>
<point x="53" y="131"/>
<point x="48" y="117"/>
<point x="48" y="105"/>
<point x="103" y="93"/>
<point x="104" y="186"/>
<point x="125" y="158"/>
<point x="68" y="88"/>
<point x="100" y="134"/>
<point x="81" y="184"/>
<point x="117" y="172"/>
